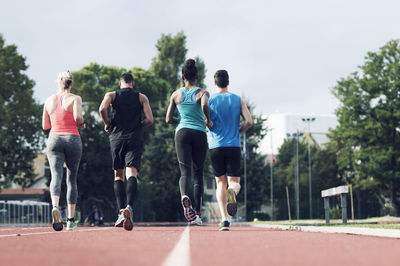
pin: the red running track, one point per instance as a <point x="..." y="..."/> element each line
<point x="151" y="245"/>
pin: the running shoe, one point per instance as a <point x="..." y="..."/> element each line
<point x="120" y="220"/>
<point x="128" y="222"/>
<point x="71" y="225"/>
<point x="224" y="226"/>
<point x="188" y="211"/>
<point x="57" y="221"/>
<point x="197" y="221"/>
<point x="232" y="204"/>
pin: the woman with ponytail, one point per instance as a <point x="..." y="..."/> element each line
<point x="190" y="137"/>
<point x="62" y="113"/>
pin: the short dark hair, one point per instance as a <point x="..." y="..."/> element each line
<point x="221" y="78"/>
<point x="127" y="78"/>
<point x="189" y="71"/>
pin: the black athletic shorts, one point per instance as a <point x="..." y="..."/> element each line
<point x="226" y="160"/>
<point x="126" y="152"/>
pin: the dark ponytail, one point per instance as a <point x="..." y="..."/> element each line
<point x="189" y="71"/>
<point x="67" y="84"/>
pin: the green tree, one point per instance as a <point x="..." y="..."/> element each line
<point x="20" y="119"/>
<point x="367" y="137"/>
<point x="171" y="55"/>
<point x="324" y="176"/>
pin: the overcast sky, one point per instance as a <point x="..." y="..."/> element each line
<point x="284" y="56"/>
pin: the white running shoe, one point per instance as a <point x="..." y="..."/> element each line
<point x="188" y="211"/>
<point x="121" y="219"/>
<point x="197" y="221"/>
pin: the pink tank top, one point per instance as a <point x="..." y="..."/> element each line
<point x="62" y="122"/>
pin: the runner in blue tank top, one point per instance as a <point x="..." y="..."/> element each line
<point x="190" y="137"/>
<point x="224" y="143"/>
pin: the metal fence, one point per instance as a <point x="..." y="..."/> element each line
<point x="14" y="212"/>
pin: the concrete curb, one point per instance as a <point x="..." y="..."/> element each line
<point x="391" y="233"/>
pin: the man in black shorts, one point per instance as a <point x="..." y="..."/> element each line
<point x="224" y="144"/>
<point x="125" y="129"/>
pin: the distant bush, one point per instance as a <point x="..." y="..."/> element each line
<point x="335" y="213"/>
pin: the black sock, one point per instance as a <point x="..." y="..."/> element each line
<point x="71" y="219"/>
<point x="131" y="189"/>
<point x="120" y="194"/>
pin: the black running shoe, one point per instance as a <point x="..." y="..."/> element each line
<point x="188" y="211"/>
<point x="224" y="226"/>
<point x="231" y="207"/>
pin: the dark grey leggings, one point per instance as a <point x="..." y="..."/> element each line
<point x="68" y="149"/>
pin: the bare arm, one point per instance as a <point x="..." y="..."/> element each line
<point x="46" y="124"/>
<point x="206" y="109"/>
<point x="247" y="117"/>
<point x="108" y="99"/>
<point x="169" y="119"/>
<point x="149" y="120"/>
<point x="77" y="110"/>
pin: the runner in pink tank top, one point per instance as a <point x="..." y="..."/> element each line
<point x="61" y="113"/>
<point x="62" y="121"/>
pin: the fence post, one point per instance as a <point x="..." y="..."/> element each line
<point x="344" y="207"/>
<point x="326" y="206"/>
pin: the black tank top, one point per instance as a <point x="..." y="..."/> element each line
<point x="126" y="115"/>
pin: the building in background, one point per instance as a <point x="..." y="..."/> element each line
<point x="38" y="187"/>
<point x="281" y="124"/>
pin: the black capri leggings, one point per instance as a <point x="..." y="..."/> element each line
<point x="191" y="149"/>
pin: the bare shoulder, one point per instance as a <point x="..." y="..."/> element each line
<point x="143" y="98"/>
<point x="77" y="98"/>
<point x="176" y="94"/>
<point x="206" y="93"/>
<point x="200" y="93"/>
<point x="110" y="95"/>
<point x="50" y="101"/>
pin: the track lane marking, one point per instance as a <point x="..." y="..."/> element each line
<point x="180" y="255"/>
<point x="54" y="232"/>
<point x="21" y="228"/>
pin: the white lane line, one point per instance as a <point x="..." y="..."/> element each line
<point x="180" y="255"/>
<point x="21" y="228"/>
<point x="55" y="232"/>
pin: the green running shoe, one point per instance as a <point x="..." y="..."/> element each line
<point x="57" y="222"/>
<point x="232" y="204"/>
<point x="71" y="225"/>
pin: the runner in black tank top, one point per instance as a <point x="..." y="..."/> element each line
<point x="126" y="144"/>
<point x="126" y="115"/>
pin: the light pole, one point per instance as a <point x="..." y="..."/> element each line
<point x="271" y="179"/>
<point x="245" y="153"/>
<point x="296" y="169"/>
<point x="308" y="121"/>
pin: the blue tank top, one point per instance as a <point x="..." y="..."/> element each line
<point x="225" y="112"/>
<point x="189" y="111"/>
